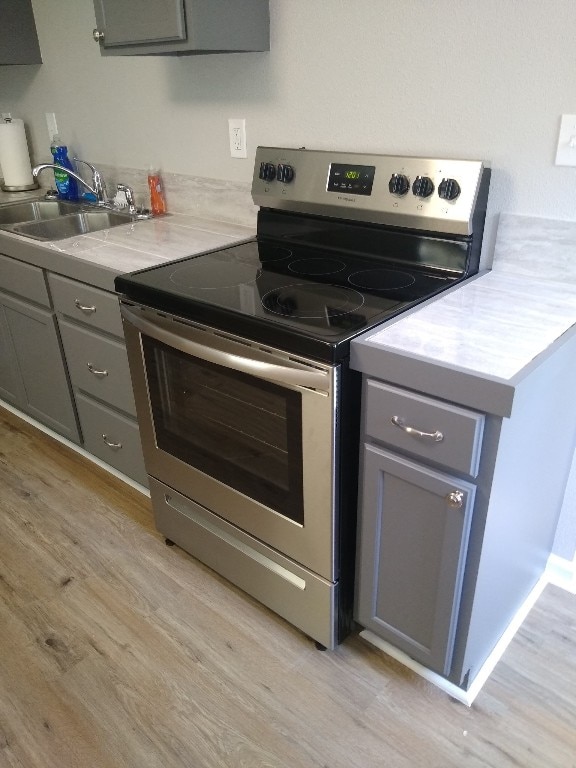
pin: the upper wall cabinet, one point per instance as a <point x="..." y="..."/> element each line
<point x="18" y="38"/>
<point x="181" y="27"/>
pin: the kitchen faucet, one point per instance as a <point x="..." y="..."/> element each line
<point x="98" y="187"/>
<point x="129" y="192"/>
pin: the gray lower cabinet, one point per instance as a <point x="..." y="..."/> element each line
<point x="414" y="541"/>
<point x="92" y="337"/>
<point x="33" y="375"/>
<point x="415" y="519"/>
<point x="18" y="37"/>
<point x="148" y="27"/>
<point x="458" y="507"/>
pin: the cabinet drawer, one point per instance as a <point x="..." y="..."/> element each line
<point x="452" y="435"/>
<point x="111" y="437"/>
<point x="91" y="306"/>
<point x="23" y="280"/>
<point x="99" y="366"/>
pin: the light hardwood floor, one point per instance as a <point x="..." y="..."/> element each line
<point x="116" y="650"/>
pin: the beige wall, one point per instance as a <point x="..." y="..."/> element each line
<point x="465" y="78"/>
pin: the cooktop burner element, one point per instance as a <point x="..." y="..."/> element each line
<point x="211" y="274"/>
<point x="381" y="279"/>
<point x="267" y="252"/>
<point x="312" y="301"/>
<point x="316" y="266"/>
<point x="339" y="249"/>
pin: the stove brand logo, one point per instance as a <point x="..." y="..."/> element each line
<point x="348" y="199"/>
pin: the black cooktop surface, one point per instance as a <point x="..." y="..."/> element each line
<point x="307" y="300"/>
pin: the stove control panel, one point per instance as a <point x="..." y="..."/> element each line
<point x="413" y="192"/>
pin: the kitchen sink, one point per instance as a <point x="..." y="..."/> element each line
<point x="70" y="225"/>
<point x="56" y="219"/>
<point x="34" y="210"/>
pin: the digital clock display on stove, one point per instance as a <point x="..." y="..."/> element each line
<point x="353" y="179"/>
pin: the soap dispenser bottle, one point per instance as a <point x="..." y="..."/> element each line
<point x="66" y="185"/>
<point x="157" y="199"/>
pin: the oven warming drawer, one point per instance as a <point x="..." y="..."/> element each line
<point x="303" y="598"/>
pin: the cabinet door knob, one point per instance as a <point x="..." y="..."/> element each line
<point x="97" y="35"/>
<point x="399" y="422"/>
<point x="95" y="371"/>
<point x="455" y="499"/>
<point x="110" y="443"/>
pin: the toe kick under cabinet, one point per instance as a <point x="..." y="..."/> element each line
<point x="459" y="500"/>
<point x="93" y="341"/>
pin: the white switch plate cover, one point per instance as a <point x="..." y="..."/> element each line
<point x="566" y="151"/>
<point x="51" y="125"/>
<point x="237" y="134"/>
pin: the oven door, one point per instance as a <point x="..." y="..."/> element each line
<point x="244" y="430"/>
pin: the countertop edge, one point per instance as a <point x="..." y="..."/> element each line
<point x="472" y="389"/>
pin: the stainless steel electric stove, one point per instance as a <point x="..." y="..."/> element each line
<point x="247" y="407"/>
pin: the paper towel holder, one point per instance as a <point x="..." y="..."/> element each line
<point x="23" y="188"/>
<point x="19" y="187"/>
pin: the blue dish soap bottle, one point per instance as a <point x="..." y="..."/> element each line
<point x="66" y="185"/>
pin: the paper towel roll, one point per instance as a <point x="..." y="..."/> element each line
<point x="14" y="157"/>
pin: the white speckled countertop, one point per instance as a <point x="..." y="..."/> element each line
<point x="147" y="243"/>
<point x="497" y="324"/>
<point x="97" y="258"/>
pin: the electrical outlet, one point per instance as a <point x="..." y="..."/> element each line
<point x="237" y="135"/>
<point x="6" y="116"/>
<point x="566" y="151"/>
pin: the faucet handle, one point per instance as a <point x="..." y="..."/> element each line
<point x="97" y="182"/>
<point x="129" y="194"/>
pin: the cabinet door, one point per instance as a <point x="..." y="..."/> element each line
<point x="11" y="389"/>
<point x="18" y="37"/>
<point x="130" y="22"/>
<point x="45" y="389"/>
<point x="154" y="27"/>
<point x="414" y="526"/>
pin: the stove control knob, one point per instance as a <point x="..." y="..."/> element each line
<point x="423" y="186"/>
<point x="449" y="189"/>
<point x="267" y="171"/>
<point x="398" y="184"/>
<point x="285" y="173"/>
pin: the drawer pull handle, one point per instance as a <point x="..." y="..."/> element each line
<point x="84" y="307"/>
<point x="95" y="371"/>
<point x="109" y="443"/>
<point x="455" y="499"/>
<point x="398" y="421"/>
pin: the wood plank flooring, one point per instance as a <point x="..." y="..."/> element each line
<point x="117" y="651"/>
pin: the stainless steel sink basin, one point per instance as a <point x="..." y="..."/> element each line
<point x="34" y="210"/>
<point x="69" y="224"/>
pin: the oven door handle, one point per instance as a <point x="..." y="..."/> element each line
<point x="279" y="374"/>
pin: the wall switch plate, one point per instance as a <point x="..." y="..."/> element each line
<point x="237" y="134"/>
<point x="566" y="151"/>
<point x="51" y="125"/>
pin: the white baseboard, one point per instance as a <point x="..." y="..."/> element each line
<point x="74" y="447"/>
<point x="466" y="697"/>
<point x="562" y="573"/>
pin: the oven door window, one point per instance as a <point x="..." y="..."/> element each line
<point x="238" y="429"/>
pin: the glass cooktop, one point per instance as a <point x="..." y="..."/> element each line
<point x="306" y="300"/>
